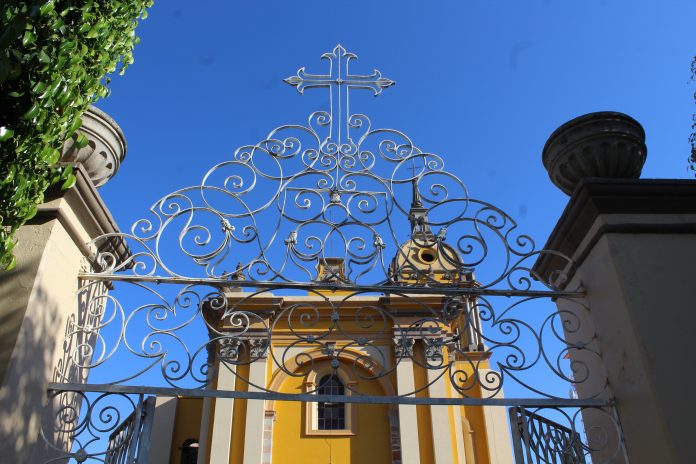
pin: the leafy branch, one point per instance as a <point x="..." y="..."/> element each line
<point x="54" y="59"/>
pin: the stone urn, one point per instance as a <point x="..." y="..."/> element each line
<point x="105" y="150"/>
<point x="603" y="144"/>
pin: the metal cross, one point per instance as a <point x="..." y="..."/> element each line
<point x="340" y="78"/>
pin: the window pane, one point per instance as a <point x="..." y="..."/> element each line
<point x="331" y="416"/>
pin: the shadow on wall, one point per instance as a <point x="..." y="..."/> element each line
<point x="40" y="339"/>
<point x="23" y="394"/>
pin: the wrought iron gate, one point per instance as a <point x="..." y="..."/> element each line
<point x="389" y="249"/>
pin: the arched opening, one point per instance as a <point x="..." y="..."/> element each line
<point x="189" y="451"/>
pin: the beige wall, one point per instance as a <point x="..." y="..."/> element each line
<point x="640" y="288"/>
<point x="36" y="300"/>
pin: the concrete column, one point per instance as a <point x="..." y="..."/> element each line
<point x="634" y="244"/>
<point x="162" y="429"/>
<point x="221" y="441"/>
<point x="405" y="383"/>
<point x="204" y="431"/>
<point x="496" y="424"/>
<point x="439" y="415"/>
<point x="255" y="417"/>
<point x="459" y="434"/>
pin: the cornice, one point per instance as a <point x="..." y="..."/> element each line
<point x="654" y="199"/>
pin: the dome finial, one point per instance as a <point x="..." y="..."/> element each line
<point x="418" y="215"/>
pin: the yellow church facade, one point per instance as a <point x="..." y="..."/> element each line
<point x="369" y="348"/>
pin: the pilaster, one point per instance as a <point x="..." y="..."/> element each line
<point x="255" y="417"/>
<point x="221" y="441"/>
<point x="405" y="384"/>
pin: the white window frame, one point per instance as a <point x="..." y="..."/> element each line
<point x="312" y="409"/>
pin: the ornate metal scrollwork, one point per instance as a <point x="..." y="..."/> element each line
<point x="395" y="260"/>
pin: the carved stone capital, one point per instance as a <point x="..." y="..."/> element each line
<point x="433" y="348"/>
<point x="403" y="346"/>
<point x="258" y="348"/>
<point x="229" y="349"/>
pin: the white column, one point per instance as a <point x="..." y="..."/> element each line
<point x="496" y="426"/>
<point x="459" y="433"/>
<point x="203" y="431"/>
<point x="408" y="420"/>
<point x="253" y="436"/>
<point x="162" y="429"/>
<point x="221" y="441"/>
<point x="439" y="415"/>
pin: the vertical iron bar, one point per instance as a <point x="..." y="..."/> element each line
<point x="516" y="425"/>
<point x="144" y="440"/>
<point x="135" y="432"/>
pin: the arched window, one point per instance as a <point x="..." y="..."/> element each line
<point x="189" y="451"/>
<point x="331" y="416"/>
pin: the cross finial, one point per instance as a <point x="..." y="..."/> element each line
<point x="339" y="78"/>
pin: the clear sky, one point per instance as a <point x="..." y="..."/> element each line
<point x="481" y="83"/>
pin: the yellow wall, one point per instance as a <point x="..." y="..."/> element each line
<point x="291" y="445"/>
<point x="187" y="425"/>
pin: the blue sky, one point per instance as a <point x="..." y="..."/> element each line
<point x="481" y="83"/>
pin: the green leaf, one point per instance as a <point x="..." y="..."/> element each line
<point x="33" y="112"/>
<point x="50" y="155"/>
<point x="48" y="7"/>
<point x="12" y="263"/>
<point x="5" y="133"/>
<point x="70" y="180"/>
<point x="29" y="38"/>
<point x="81" y="141"/>
<point x="32" y="212"/>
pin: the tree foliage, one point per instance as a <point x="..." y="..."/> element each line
<point x="54" y="56"/>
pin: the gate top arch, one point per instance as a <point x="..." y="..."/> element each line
<point x="334" y="188"/>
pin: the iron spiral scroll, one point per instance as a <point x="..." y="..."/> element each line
<point x="364" y="225"/>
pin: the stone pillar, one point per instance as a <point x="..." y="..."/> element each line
<point x="634" y="244"/>
<point x="456" y="412"/>
<point x="405" y="384"/>
<point x="204" y="431"/>
<point x="255" y="417"/>
<point x="162" y="429"/>
<point x="221" y="441"/>
<point x="439" y="415"/>
<point x="38" y="297"/>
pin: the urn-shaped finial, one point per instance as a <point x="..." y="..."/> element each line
<point x="105" y="149"/>
<point x="604" y="144"/>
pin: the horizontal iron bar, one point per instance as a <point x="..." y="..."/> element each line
<point x="421" y="290"/>
<point x="312" y="398"/>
